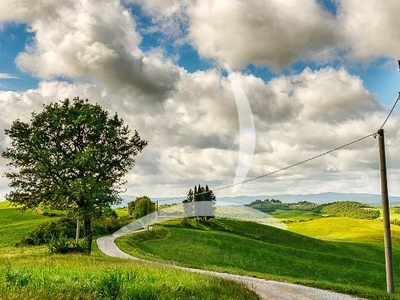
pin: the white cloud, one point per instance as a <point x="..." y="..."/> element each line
<point x="193" y="135"/>
<point x="369" y="28"/>
<point x="274" y="33"/>
<point x="190" y="119"/>
<point x="96" y="40"/>
<point x="167" y="16"/>
<point x="7" y="76"/>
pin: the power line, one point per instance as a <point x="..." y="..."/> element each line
<point x="394" y="105"/>
<point x="285" y="168"/>
<point x="296" y="164"/>
<point x="303" y="161"/>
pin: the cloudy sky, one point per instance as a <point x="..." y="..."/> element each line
<point x="222" y="90"/>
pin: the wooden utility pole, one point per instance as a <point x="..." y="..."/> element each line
<point x="147" y="216"/>
<point x="157" y="212"/>
<point x="77" y="233"/>
<point x="386" y="217"/>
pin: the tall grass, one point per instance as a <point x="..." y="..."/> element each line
<point x="82" y="277"/>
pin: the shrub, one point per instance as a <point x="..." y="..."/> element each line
<point x="108" y="225"/>
<point x="45" y="232"/>
<point x="59" y="245"/>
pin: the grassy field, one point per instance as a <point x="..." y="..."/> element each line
<point x="257" y="250"/>
<point x="294" y="215"/>
<point x="32" y="273"/>
<point x="345" y="229"/>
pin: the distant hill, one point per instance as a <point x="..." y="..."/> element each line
<point x="371" y="199"/>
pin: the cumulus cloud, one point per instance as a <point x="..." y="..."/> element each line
<point x="369" y="28"/>
<point x="273" y="33"/>
<point x="96" y="40"/>
<point x="193" y="131"/>
<point x="193" y="136"/>
<point x="168" y="17"/>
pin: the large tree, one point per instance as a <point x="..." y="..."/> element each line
<point x="71" y="156"/>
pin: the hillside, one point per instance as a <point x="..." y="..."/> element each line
<point x="32" y="273"/>
<point x="257" y="250"/>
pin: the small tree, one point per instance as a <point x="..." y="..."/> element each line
<point x="131" y="208"/>
<point x="72" y="156"/>
<point x="200" y="203"/>
<point x="142" y="207"/>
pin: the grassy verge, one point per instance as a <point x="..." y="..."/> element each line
<point x="31" y="273"/>
<point x="257" y="250"/>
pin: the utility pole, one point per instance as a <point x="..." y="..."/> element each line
<point x="157" y="212"/>
<point x="77" y="234"/>
<point x="386" y="217"/>
<point x="147" y="216"/>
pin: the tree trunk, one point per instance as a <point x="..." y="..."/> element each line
<point x="88" y="235"/>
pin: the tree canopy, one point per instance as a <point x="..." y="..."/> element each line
<point x="140" y="207"/>
<point x="71" y="156"/>
<point x="200" y="203"/>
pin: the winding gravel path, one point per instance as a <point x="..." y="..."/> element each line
<point x="266" y="289"/>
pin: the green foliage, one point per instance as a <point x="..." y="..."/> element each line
<point x="51" y="230"/>
<point x="108" y="225"/>
<point x="131" y="208"/>
<point x="108" y="212"/>
<point x="60" y="244"/>
<point x="66" y="227"/>
<point x="71" y="156"/>
<point x="200" y="203"/>
<point x="350" y="209"/>
<point x="141" y="207"/>
<point x="272" y="205"/>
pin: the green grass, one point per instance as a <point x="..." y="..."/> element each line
<point x="15" y="224"/>
<point x="345" y="229"/>
<point x="32" y="273"/>
<point x="294" y="215"/>
<point x="257" y="250"/>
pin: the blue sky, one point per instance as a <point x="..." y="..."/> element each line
<point x="314" y="73"/>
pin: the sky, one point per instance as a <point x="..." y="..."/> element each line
<point x="222" y="90"/>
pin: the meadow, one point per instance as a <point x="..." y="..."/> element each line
<point x="30" y="272"/>
<point x="253" y="249"/>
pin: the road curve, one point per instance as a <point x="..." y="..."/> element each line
<point x="266" y="289"/>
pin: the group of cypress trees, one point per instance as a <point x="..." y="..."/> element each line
<point x="200" y="203"/>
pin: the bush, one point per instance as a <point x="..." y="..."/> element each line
<point x="52" y="230"/>
<point x="108" y="225"/>
<point x="59" y="245"/>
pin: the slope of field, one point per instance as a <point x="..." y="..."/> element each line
<point x="31" y="273"/>
<point x="345" y="229"/>
<point x="254" y="249"/>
